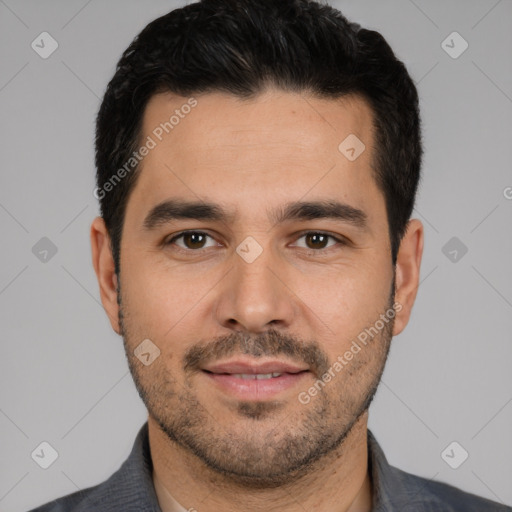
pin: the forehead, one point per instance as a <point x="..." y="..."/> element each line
<point x="271" y="117"/>
<point x="276" y="144"/>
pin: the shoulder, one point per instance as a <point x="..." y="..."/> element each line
<point x="421" y="494"/>
<point x="397" y="490"/>
<point x="129" y="488"/>
<point x="79" y="501"/>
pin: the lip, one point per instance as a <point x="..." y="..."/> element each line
<point x="240" y="366"/>
<point x="223" y="377"/>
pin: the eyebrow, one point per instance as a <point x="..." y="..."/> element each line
<point x="173" y="209"/>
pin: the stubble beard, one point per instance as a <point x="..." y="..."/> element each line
<point x="268" y="447"/>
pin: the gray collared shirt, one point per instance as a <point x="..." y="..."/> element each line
<point x="131" y="489"/>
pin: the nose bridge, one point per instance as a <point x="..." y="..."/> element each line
<point x="253" y="297"/>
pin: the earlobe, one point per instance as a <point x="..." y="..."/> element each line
<point x="103" y="263"/>
<point x="407" y="275"/>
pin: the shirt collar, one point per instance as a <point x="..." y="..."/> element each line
<point x="390" y="489"/>
<point x="394" y="489"/>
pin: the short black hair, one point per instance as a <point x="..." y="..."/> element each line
<point x="241" y="47"/>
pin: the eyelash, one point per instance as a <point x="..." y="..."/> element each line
<point x="340" y="241"/>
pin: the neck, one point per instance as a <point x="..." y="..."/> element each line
<point x="339" y="482"/>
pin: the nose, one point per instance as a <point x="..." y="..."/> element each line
<point x="255" y="296"/>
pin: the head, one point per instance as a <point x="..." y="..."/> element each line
<point x="238" y="122"/>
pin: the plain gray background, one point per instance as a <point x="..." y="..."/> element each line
<point x="64" y="376"/>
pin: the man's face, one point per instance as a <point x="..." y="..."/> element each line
<point x="254" y="293"/>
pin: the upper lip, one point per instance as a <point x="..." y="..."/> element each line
<point x="237" y="367"/>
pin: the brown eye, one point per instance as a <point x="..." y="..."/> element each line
<point x="316" y="240"/>
<point x="319" y="242"/>
<point x="192" y="240"/>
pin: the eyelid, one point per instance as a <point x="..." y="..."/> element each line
<point x="341" y="240"/>
<point x="176" y="236"/>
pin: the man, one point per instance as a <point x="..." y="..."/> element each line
<point x="257" y="164"/>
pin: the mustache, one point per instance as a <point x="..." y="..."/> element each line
<point x="269" y="343"/>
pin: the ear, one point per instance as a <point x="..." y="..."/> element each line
<point x="104" y="267"/>
<point x="407" y="273"/>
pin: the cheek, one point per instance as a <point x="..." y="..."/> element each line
<point x="347" y="302"/>
<point x="153" y="300"/>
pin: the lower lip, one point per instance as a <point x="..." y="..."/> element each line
<point x="254" y="389"/>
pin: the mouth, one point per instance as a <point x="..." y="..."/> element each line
<point x="254" y="381"/>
